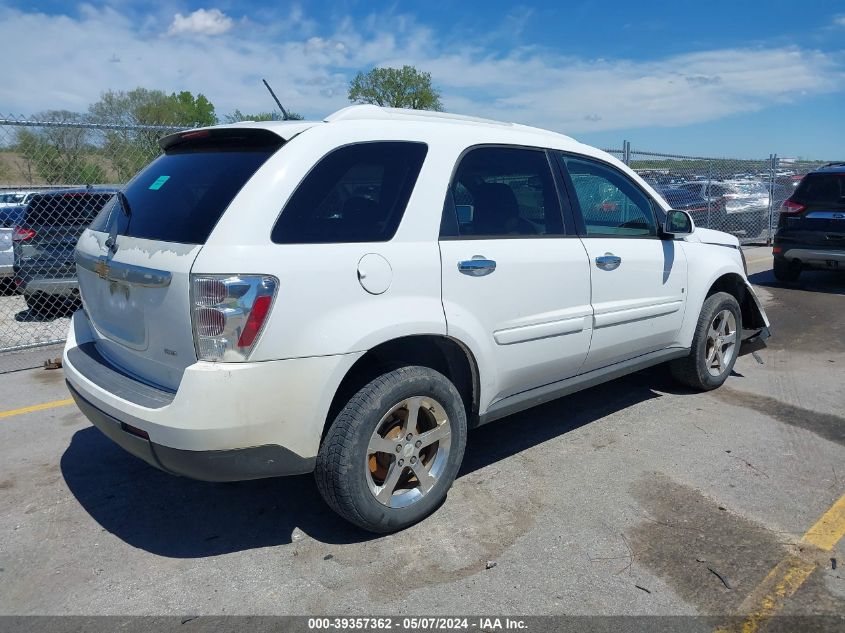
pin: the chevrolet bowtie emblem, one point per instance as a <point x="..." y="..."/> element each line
<point x="102" y="269"/>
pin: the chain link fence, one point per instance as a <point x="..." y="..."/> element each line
<point x="55" y="176"/>
<point x="737" y="196"/>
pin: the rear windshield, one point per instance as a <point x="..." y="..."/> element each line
<point x="65" y="209"/>
<point x="180" y="196"/>
<point x="357" y="193"/>
<point x="821" y="189"/>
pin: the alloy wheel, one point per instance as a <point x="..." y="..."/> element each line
<point x="721" y="343"/>
<point x="408" y="451"/>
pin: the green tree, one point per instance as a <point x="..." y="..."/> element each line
<point x="238" y="116"/>
<point x="193" y="109"/>
<point x="62" y="154"/>
<point x="142" y="106"/>
<point x="128" y="150"/>
<point x="404" y="87"/>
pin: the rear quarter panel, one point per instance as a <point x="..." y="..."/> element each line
<point x="321" y="307"/>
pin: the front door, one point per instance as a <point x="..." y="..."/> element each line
<point x="638" y="279"/>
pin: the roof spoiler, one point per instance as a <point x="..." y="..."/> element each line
<point x="221" y="139"/>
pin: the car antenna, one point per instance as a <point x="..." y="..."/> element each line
<point x="276" y="99"/>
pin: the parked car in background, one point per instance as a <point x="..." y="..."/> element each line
<point x="14" y="198"/>
<point x="275" y="298"/>
<point x="811" y="225"/>
<point x="736" y="206"/>
<point x="11" y="214"/>
<point x="44" y="239"/>
<point x="6" y="260"/>
<point x="684" y="200"/>
<point x="12" y="204"/>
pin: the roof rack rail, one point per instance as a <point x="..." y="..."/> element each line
<point x="378" y="113"/>
<point x="367" y="111"/>
<point x="836" y="163"/>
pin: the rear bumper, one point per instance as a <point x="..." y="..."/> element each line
<point x="58" y="285"/>
<point x="811" y="248"/>
<point x="224" y="465"/>
<point x="814" y="255"/>
<point x="226" y="421"/>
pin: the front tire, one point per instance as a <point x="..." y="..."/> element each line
<point x="393" y="451"/>
<point x="715" y="346"/>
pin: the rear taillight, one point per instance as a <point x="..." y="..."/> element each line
<point x="792" y="208"/>
<point x="256" y="319"/>
<point x="21" y="234"/>
<point x="228" y="314"/>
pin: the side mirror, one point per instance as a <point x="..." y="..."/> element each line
<point x="678" y="223"/>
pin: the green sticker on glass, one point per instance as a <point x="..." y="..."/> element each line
<point x="159" y="183"/>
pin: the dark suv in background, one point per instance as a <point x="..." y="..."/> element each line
<point x="44" y="240"/>
<point x="811" y="226"/>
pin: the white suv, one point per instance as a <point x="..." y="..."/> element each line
<point x="349" y="296"/>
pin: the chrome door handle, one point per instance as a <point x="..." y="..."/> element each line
<point x="608" y="261"/>
<point x="478" y="266"/>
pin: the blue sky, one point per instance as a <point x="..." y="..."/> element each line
<point x="720" y="78"/>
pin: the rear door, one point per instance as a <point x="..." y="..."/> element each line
<point x="135" y="261"/>
<point x="638" y="279"/>
<point x="514" y="283"/>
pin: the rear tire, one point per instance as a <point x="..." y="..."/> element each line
<point x="715" y="345"/>
<point x="786" y="270"/>
<point x="407" y="421"/>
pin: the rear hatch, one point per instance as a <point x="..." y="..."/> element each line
<point x="135" y="260"/>
<point x="815" y="214"/>
<point x="49" y="228"/>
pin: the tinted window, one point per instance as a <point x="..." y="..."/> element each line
<point x="72" y="208"/>
<point x="611" y="204"/>
<point x="180" y="196"/>
<point x="357" y="193"/>
<point x="501" y="191"/>
<point x="821" y="189"/>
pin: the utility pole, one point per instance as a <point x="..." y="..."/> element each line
<point x="276" y="99"/>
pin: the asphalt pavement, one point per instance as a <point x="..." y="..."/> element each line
<point x="634" y="497"/>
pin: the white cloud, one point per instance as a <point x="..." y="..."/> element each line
<point x="839" y="20"/>
<point x="201" y="22"/>
<point x="310" y="68"/>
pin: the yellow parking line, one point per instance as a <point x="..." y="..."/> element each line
<point x="790" y="573"/>
<point x="36" y="407"/>
<point x="829" y="529"/>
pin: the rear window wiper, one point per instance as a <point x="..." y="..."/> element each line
<point x="124" y="204"/>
